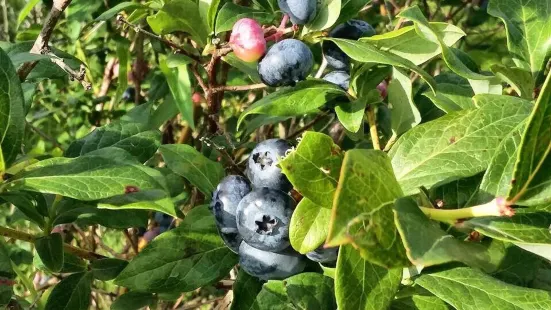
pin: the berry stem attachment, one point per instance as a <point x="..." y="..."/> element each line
<point x="496" y="207"/>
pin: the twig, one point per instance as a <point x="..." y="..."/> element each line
<point x="41" y="43"/>
<point x="73" y="75"/>
<point x="131" y="241"/>
<point x="45" y="136"/>
<point x="199" y="78"/>
<point x="496" y="207"/>
<point x="370" y="115"/>
<point x="239" y="88"/>
<point x="19" y="235"/>
<point x="307" y="126"/>
<point x="172" y="44"/>
<point x="322" y="68"/>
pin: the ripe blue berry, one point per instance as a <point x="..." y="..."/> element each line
<point x="225" y="200"/>
<point x="263" y="218"/>
<point x="324" y="256"/>
<point x="262" y="167"/>
<point x="286" y="63"/>
<point x="300" y="11"/>
<point x="351" y="30"/>
<point x="269" y="265"/>
<point x="340" y="78"/>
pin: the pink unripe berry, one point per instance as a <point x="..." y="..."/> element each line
<point x="247" y="40"/>
<point x="382" y="89"/>
<point x="197" y="97"/>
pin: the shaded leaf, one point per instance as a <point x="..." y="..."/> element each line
<point x="521" y="80"/>
<point x="133" y="301"/>
<point x="404" y="113"/>
<point x="50" y="250"/>
<point x="311" y="291"/>
<point x="245" y="290"/>
<point x="72" y="293"/>
<point x="108" y="268"/>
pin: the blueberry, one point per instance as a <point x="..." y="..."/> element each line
<point x="224" y="203"/>
<point x="340" y="78"/>
<point x="262" y="167"/>
<point x="322" y="255"/>
<point x="263" y="218"/>
<point x="269" y="265"/>
<point x="286" y="63"/>
<point x="129" y="94"/>
<point x="164" y="221"/>
<point x="351" y="30"/>
<point x="300" y="11"/>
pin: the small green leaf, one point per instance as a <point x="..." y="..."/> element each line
<point x="306" y="97"/>
<point x="133" y="301"/>
<point x="362" y="285"/>
<point x="127" y="6"/>
<point x="180" y="87"/>
<point x="6" y="274"/>
<point x="520" y="80"/>
<point x="91" y="215"/>
<point x="528" y="31"/>
<point x="12" y="119"/>
<point x="308" y="228"/>
<point x="311" y="291"/>
<point x="170" y="19"/>
<point x="200" y="171"/>
<point x="463" y="287"/>
<point x="366" y="52"/>
<point x="135" y="138"/>
<point x="350" y="9"/>
<point x="27" y="203"/>
<point x="273" y="297"/>
<point x="406" y="43"/>
<point x="182" y="259"/>
<point x="50" y="250"/>
<point x="245" y="290"/>
<point x="71" y="264"/>
<point x="313" y="168"/>
<point x="154" y="199"/>
<point x="72" y="293"/>
<point x="108" y="268"/>
<point x="461" y="143"/>
<point x="249" y="68"/>
<point x="351" y="114"/>
<point x="230" y="13"/>
<point x="452" y="97"/>
<point x="123" y="55"/>
<point x="404" y="113"/>
<point x="327" y="14"/>
<point x="29" y="6"/>
<point x="362" y="212"/>
<point x="534" y="149"/>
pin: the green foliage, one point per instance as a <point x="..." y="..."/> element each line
<point x="430" y="173"/>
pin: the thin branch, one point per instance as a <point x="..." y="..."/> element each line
<point x="73" y="75"/>
<point x="172" y="44"/>
<point x="370" y="114"/>
<point x="45" y="136"/>
<point x="41" y="43"/>
<point x="239" y="88"/>
<point x="307" y="126"/>
<point x="131" y="241"/>
<point x="19" y="235"/>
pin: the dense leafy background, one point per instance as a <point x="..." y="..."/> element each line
<point x="400" y="180"/>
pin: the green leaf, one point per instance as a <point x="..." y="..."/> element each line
<point x="461" y="143"/>
<point x="326" y="16"/>
<point x="528" y="31"/>
<point x="424" y="28"/>
<point x="366" y="52"/>
<point x="123" y="55"/>
<point x="71" y="264"/>
<point x="170" y="19"/>
<point x="245" y="290"/>
<point x="311" y="291"/>
<point x="180" y="87"/>
<point x="27" y="203"/>
<point x="362" y="211"/>
<point x="534" y="149"/>
<point x="350" y="9"/>
<point x="154" y="199"/>
<point x="182" y="259"/>
<point x="135" y="138"/>
<point x="459" y="194"/>
<point x="303" y="98"/>
<point x="6" y="274"/>
<point x="427" y="245"/>
<point x="72" y="293"/>
<point x="452" y="97"/>
<point x="200" y="171"/>
<point x="249" y="68"/>
<point x="520" y="80"/>
<point x="91" y="215"/>
<point x="525" y="226"/>
<point x="29" y="6"/>
<point x="406" y="43"/>
<point x="133" y="301"/>
<point x="127" y="6"/>
<point x="417" y="298"/>
<point x="362" y="285"/>
<point x="273" y="297"/>
<point x="351" y="114"/>
<point x="89" y="177"/>
<point x="12" y="119"/>
<point x="498" y="178"/>
<point x="313" y="168"/>
<point x="2" y="163"/>
<point x="309" y="225"/>
<point x="50" y="250"/>
<point x="108" y="268"/>
<point x="230" y="13"/>
<point x="404" y="113"/>
<point x="464" y="287"/>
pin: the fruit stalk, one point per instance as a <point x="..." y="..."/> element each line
<point x="496" y="207"/>
<point x="370" y="114"/>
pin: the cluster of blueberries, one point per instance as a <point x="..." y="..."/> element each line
<point x="290" y="60"/>
<point x="253" y="216"/>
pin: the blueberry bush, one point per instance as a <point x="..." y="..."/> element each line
<point x="289" y="154"/>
